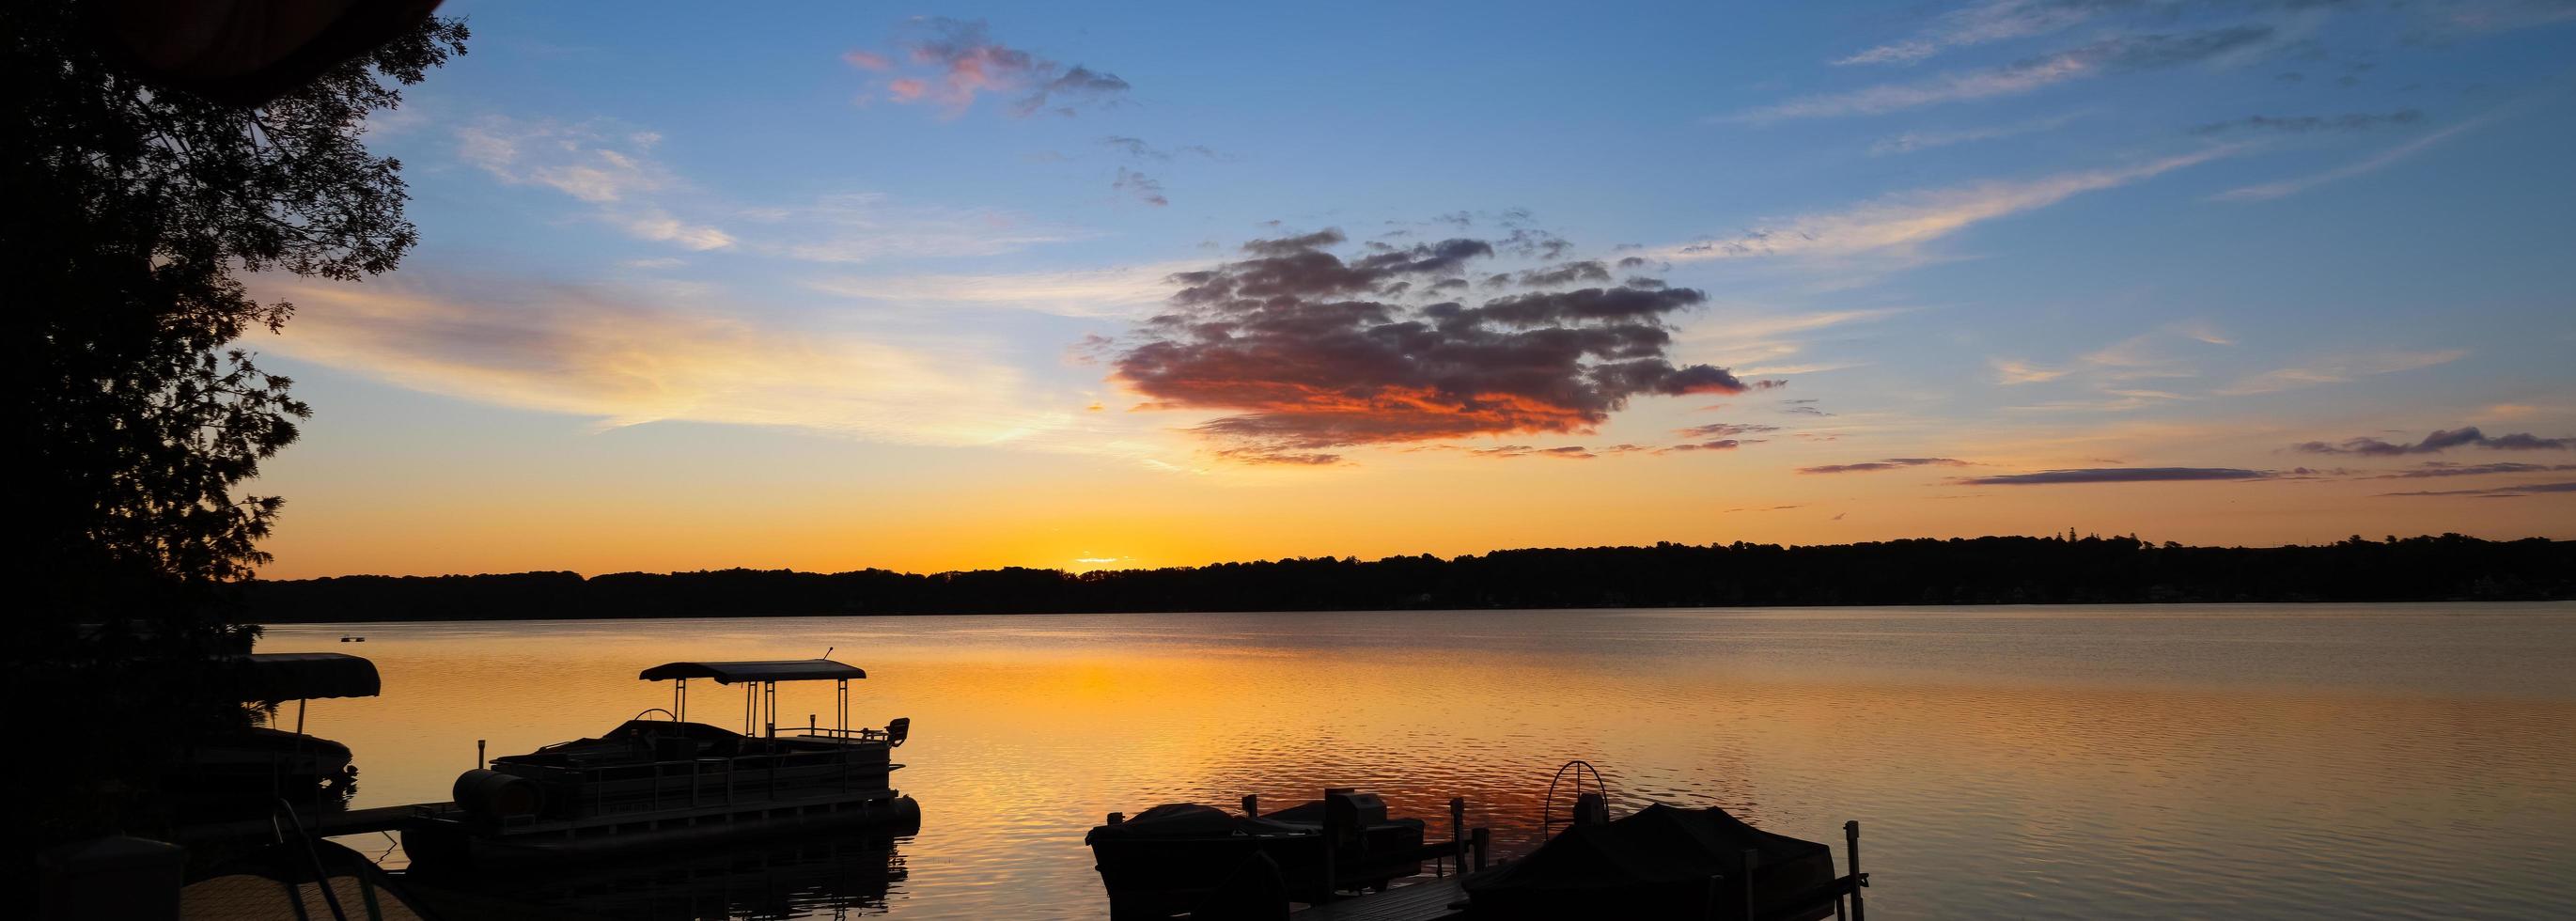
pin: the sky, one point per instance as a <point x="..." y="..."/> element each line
<point x="837" y="286"/>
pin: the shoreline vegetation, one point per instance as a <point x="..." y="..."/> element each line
<point x="2059" y="569"/>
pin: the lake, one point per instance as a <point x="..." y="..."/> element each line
<point x="2251" y="761"/>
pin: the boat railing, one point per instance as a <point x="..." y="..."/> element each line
<point x="603" y="790"/>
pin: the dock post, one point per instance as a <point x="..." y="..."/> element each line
<point x="1744" y="864"/>
<point x="1115" y="818"/>
<point x="1252" y="805"/>
<point x="1458" y="832"/>
<point x="1481" y="839"/>
<point x="1851" y="850"/>
<point x="480" y="762"/>
<point x="1331" y="854"/>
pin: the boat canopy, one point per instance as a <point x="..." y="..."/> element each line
<point x="277" y="676"/>
<point x="756" y="672"/>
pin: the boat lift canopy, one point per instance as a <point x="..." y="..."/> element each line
<point x="760" y="685"/>
<point x="756" y="672"/>
<point x="281" y="676"/>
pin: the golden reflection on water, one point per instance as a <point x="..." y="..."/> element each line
<point x="2135" y="762"/>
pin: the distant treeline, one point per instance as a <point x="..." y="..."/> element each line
<point x="1985" y="570"/>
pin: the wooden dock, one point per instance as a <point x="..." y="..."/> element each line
<point x="319" y="824"/>
<point x="1422" y="901"/>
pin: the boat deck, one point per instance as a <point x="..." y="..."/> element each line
<point x="321" y="824"/>
<point x="1422" y="901"/>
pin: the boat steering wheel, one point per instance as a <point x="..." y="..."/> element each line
<point x="1578" y="767"/>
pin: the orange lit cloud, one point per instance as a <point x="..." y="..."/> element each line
<point x="622" y="358"/>
<point x="1308" y="349"/>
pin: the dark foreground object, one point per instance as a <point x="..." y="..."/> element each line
<point x="653" y="785"/>
<point x="1184" y="857"/>
<point x="1985" y="570"/>
<point x="825" y="874"/>
<point x="1662" y="863"/>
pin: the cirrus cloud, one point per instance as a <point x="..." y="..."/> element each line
<point x="2118" y="475"/>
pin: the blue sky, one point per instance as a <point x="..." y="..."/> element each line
<point x="843" y="285"/>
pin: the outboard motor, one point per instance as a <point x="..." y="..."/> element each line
<point x="1591" y="809"/>
<point x="1348" y="814"/>
<point x="490" y="796"/>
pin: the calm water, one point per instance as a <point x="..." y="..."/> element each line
<point x="2115" y="762"/>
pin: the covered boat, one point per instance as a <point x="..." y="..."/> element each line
<point x="658" y="783"/>
<point x="247" y="770"/>
<point x="1169" y="858"/>
<point x="1662" y="863"/>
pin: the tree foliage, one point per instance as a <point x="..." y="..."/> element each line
<point x="134" y="212"/>
<point x="1984" y="570"/>
<point x="130" y="214"/>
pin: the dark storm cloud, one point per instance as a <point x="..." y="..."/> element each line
<point x="2118" y="475"/>
<point x="2305" y="124"/>
<point x="2438" y="442"/>
<point x="1294" y="343"/>
<point x="1893" y="463"/>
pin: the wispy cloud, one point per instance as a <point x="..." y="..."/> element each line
<point x="1141" y="187"/>
<point x="1997" y="20"/>
<point x="2010" y="371"/>
<point x="2118" y="475"/>
<point x="2383" y="160"/>
<point x="1893" y="463"/>
<point x="1109" y="292"/>
<point x="623" y="358"/>
<point x="2439" y="441"/>
<point x="1567" y="452"/>
<point x="2309" y="124"/>
<point x="1908" y="219"/>
<point x="2339" y="370"/>
<point x="1911" y="141"/>
<point x="2494" y="492"/>
<point x="2438" y="469"/>
<point x="594" y="162"/>
<point x="950" y="62"/>
<point x="2120" y="54"/>
<point x="872" y="227"/>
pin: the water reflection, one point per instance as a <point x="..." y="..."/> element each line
<point x="2131" y="762"/>
<point x="837" y="876"/>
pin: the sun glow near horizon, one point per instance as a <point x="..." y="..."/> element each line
<point x="1109" y="305"/>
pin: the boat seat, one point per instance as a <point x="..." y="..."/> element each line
<point x="893" y="735"/>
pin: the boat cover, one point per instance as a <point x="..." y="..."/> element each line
<point x="1191" y="820"/>
<point x="1659" y="862"/>
<point x="275" y="676"/>
<point x="752" y="672"/>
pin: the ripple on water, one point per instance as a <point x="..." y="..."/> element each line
<point x="2139" y="762"/>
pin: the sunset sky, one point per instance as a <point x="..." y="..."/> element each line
<point x="836" y="286"/>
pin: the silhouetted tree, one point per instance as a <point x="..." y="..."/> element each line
<point x="1983" y="570"/>
<point x="133" y="211"/>
<point x="129" y="213"/>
